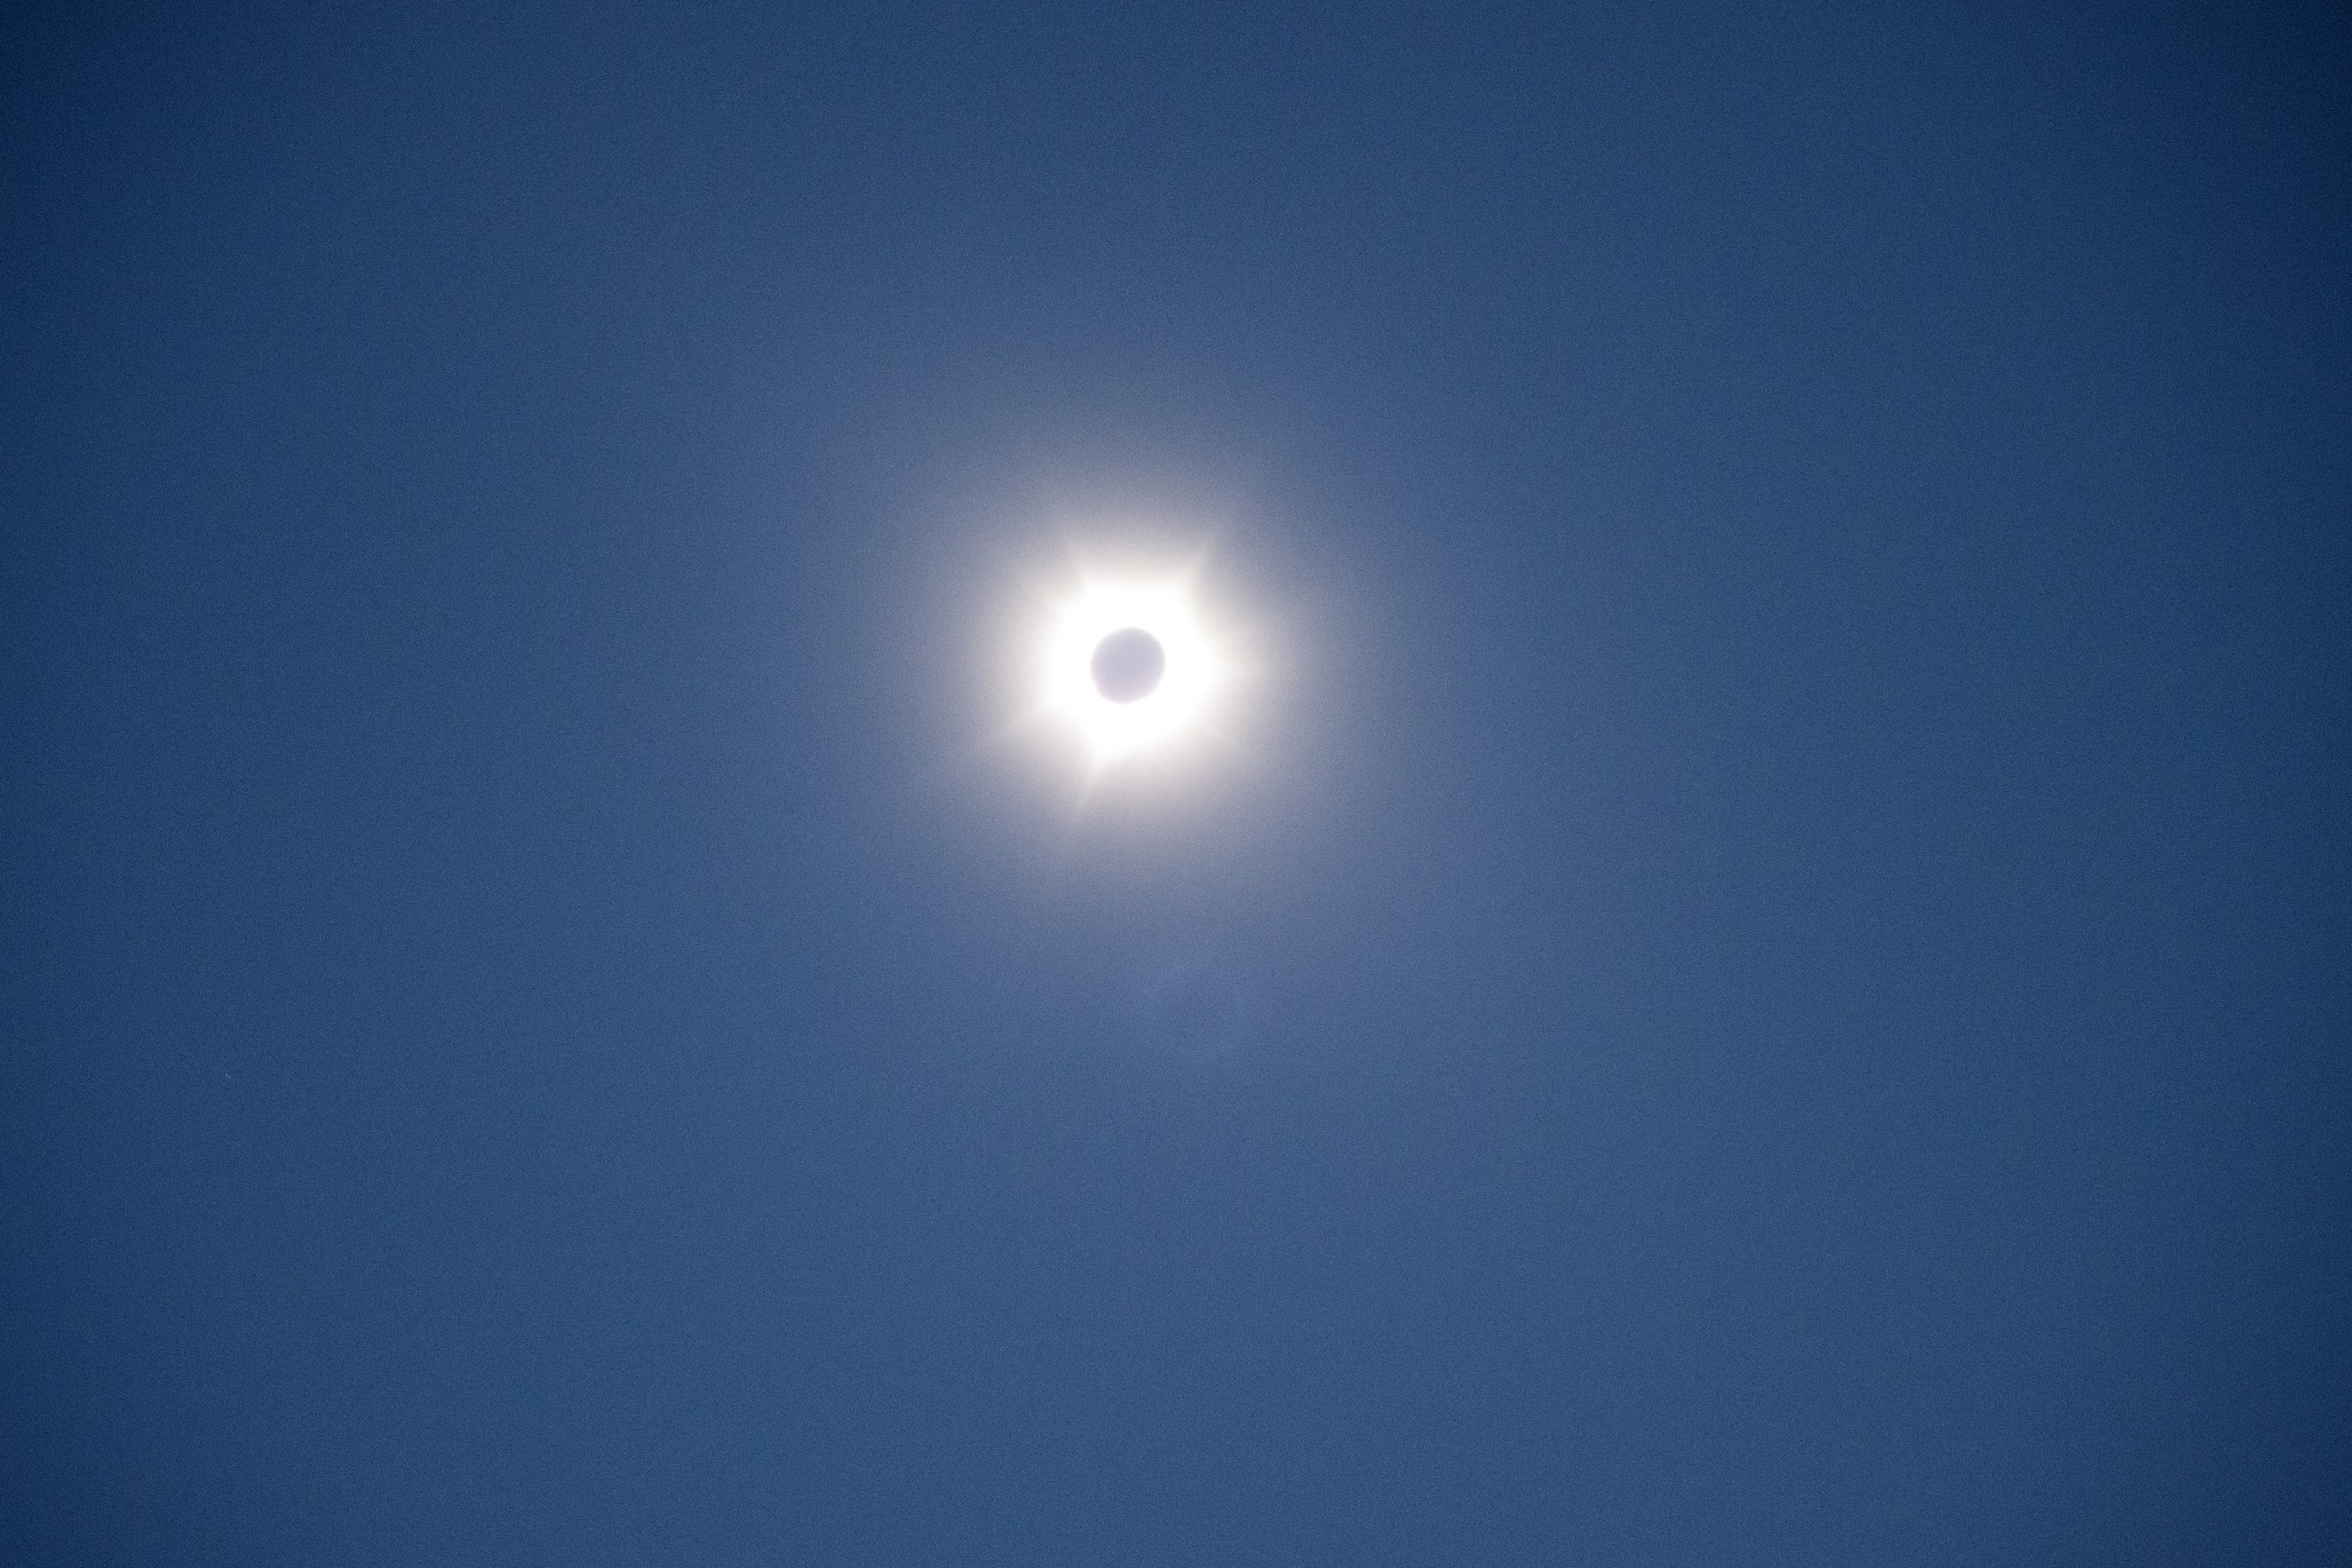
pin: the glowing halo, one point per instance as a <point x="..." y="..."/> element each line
<point x="1143" y="715"/>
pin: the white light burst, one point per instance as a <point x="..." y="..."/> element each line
<point x="1177" y="707"/>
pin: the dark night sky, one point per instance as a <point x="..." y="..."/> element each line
<point x="1782" y="913"/>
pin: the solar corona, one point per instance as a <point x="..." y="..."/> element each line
<point x="1128" y="666"/>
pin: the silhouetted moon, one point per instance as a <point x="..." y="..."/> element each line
<point x="1127" y="665"/>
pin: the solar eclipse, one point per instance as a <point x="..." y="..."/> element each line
<point x="1131" y="667"/>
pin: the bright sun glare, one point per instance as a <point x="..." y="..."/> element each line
<point x="1100" y="678"/>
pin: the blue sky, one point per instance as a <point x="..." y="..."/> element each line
<point x="1764" y="980"/>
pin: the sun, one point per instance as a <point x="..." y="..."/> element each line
<point x="1129" y="666"/>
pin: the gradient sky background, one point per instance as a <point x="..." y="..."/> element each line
<point x="1783" y="923"/>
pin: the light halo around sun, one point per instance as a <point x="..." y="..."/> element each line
<point x="1177" y="708"/>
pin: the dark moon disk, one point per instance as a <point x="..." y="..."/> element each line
<point x="1127" y="665"/>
